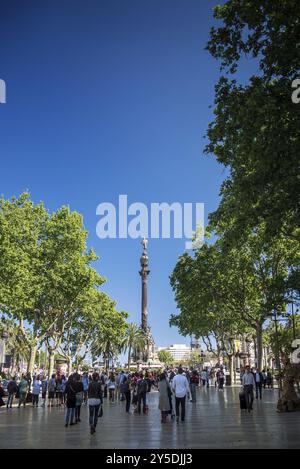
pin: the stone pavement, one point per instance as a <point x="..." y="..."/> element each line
<point x="215" y="421"/>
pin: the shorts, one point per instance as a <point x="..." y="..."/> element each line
<point x="51" y="394"/>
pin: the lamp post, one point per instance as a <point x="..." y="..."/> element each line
<point x="4" y="337"/>
<point x="274" y="317"/>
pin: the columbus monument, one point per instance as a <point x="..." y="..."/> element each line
<point x="148" y="354"/>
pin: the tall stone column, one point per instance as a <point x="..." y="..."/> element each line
<point x="144" y="272"/>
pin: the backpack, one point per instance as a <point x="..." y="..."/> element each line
<point x="142" y="386"/>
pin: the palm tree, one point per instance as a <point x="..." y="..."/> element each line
<point x="134" y="340"/>
<point x="107" y="348"/>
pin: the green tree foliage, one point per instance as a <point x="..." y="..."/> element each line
<point x="255" y="132"/>
<point x="49" y="290"/>
<point x="134" y="341"/>
<point x="222" y="293"/>
<point x="165" y="357"/>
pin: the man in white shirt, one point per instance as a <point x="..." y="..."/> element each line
<point x="249" y="384"/>
<point x="181" y="389"/>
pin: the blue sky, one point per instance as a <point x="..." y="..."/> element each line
<point x="106" y="98"/>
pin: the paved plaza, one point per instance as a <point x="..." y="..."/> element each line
<point x="215" y="421"/>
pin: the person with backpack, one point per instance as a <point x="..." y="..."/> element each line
<point x="194" y="383"/>
<point x="142" y="388"/>
<point x="11" y="389"/>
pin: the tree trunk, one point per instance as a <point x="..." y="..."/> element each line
<point x="51" y="362"/>
<point x="129" y="356"/>
<point x="33" y="349"/>
<point x="259" y="345"/>
<point x="231" y="359"/>
<point x="69" y="361"/>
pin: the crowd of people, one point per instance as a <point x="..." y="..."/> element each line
<point x="175" y="386"/>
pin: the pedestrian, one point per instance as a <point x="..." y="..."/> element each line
<point x="126" y="392"/>
<point x="94" y="401"/>
<point x="11" y="389"/>
<point x="220" y="378"/>
<point x="181" y="389"/>
<point x="23" y="389"/>
<point x="70" y="401"/>
<point x="63" y="389"/>
<point x="264" y="375"/>
<point x="51" y="390"/>
<point x="111" y="386"/>
<point x="258" y="378"/>
<point x="36" y="389"/>
<point x="142" y="388"/>
<point x="249" y="384"/>
<point x="269" y="379"/>
<point x="44" y="390"/>
<point x="122" y="376"/>
<point x="164" y="401"/>
<point x="2" y="394"/>
<point x="194" y="383"/>
<point x="85" y="383"/>
<point x="78" y="385"/>
<point x="59" y="391"/>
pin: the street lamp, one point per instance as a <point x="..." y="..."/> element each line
<point x="4" y="337"/>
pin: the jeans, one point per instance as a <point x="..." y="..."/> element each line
<point x="70" y="415"/>
<point x="249" y="395"/>
<point x="77" y="412"/>
<point x="94" y="411"/>
<point x="10" y="400"/>
<point x="128" y="398"/>
<point x="22" y="398"/>
<point x="35" y="399"/>
<point x="258" y="389"/>
<point x="180" y="401"/>
<point x="221" y="383"/>
<point x="142" y="397"/>
<point x="193" y="391"/>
